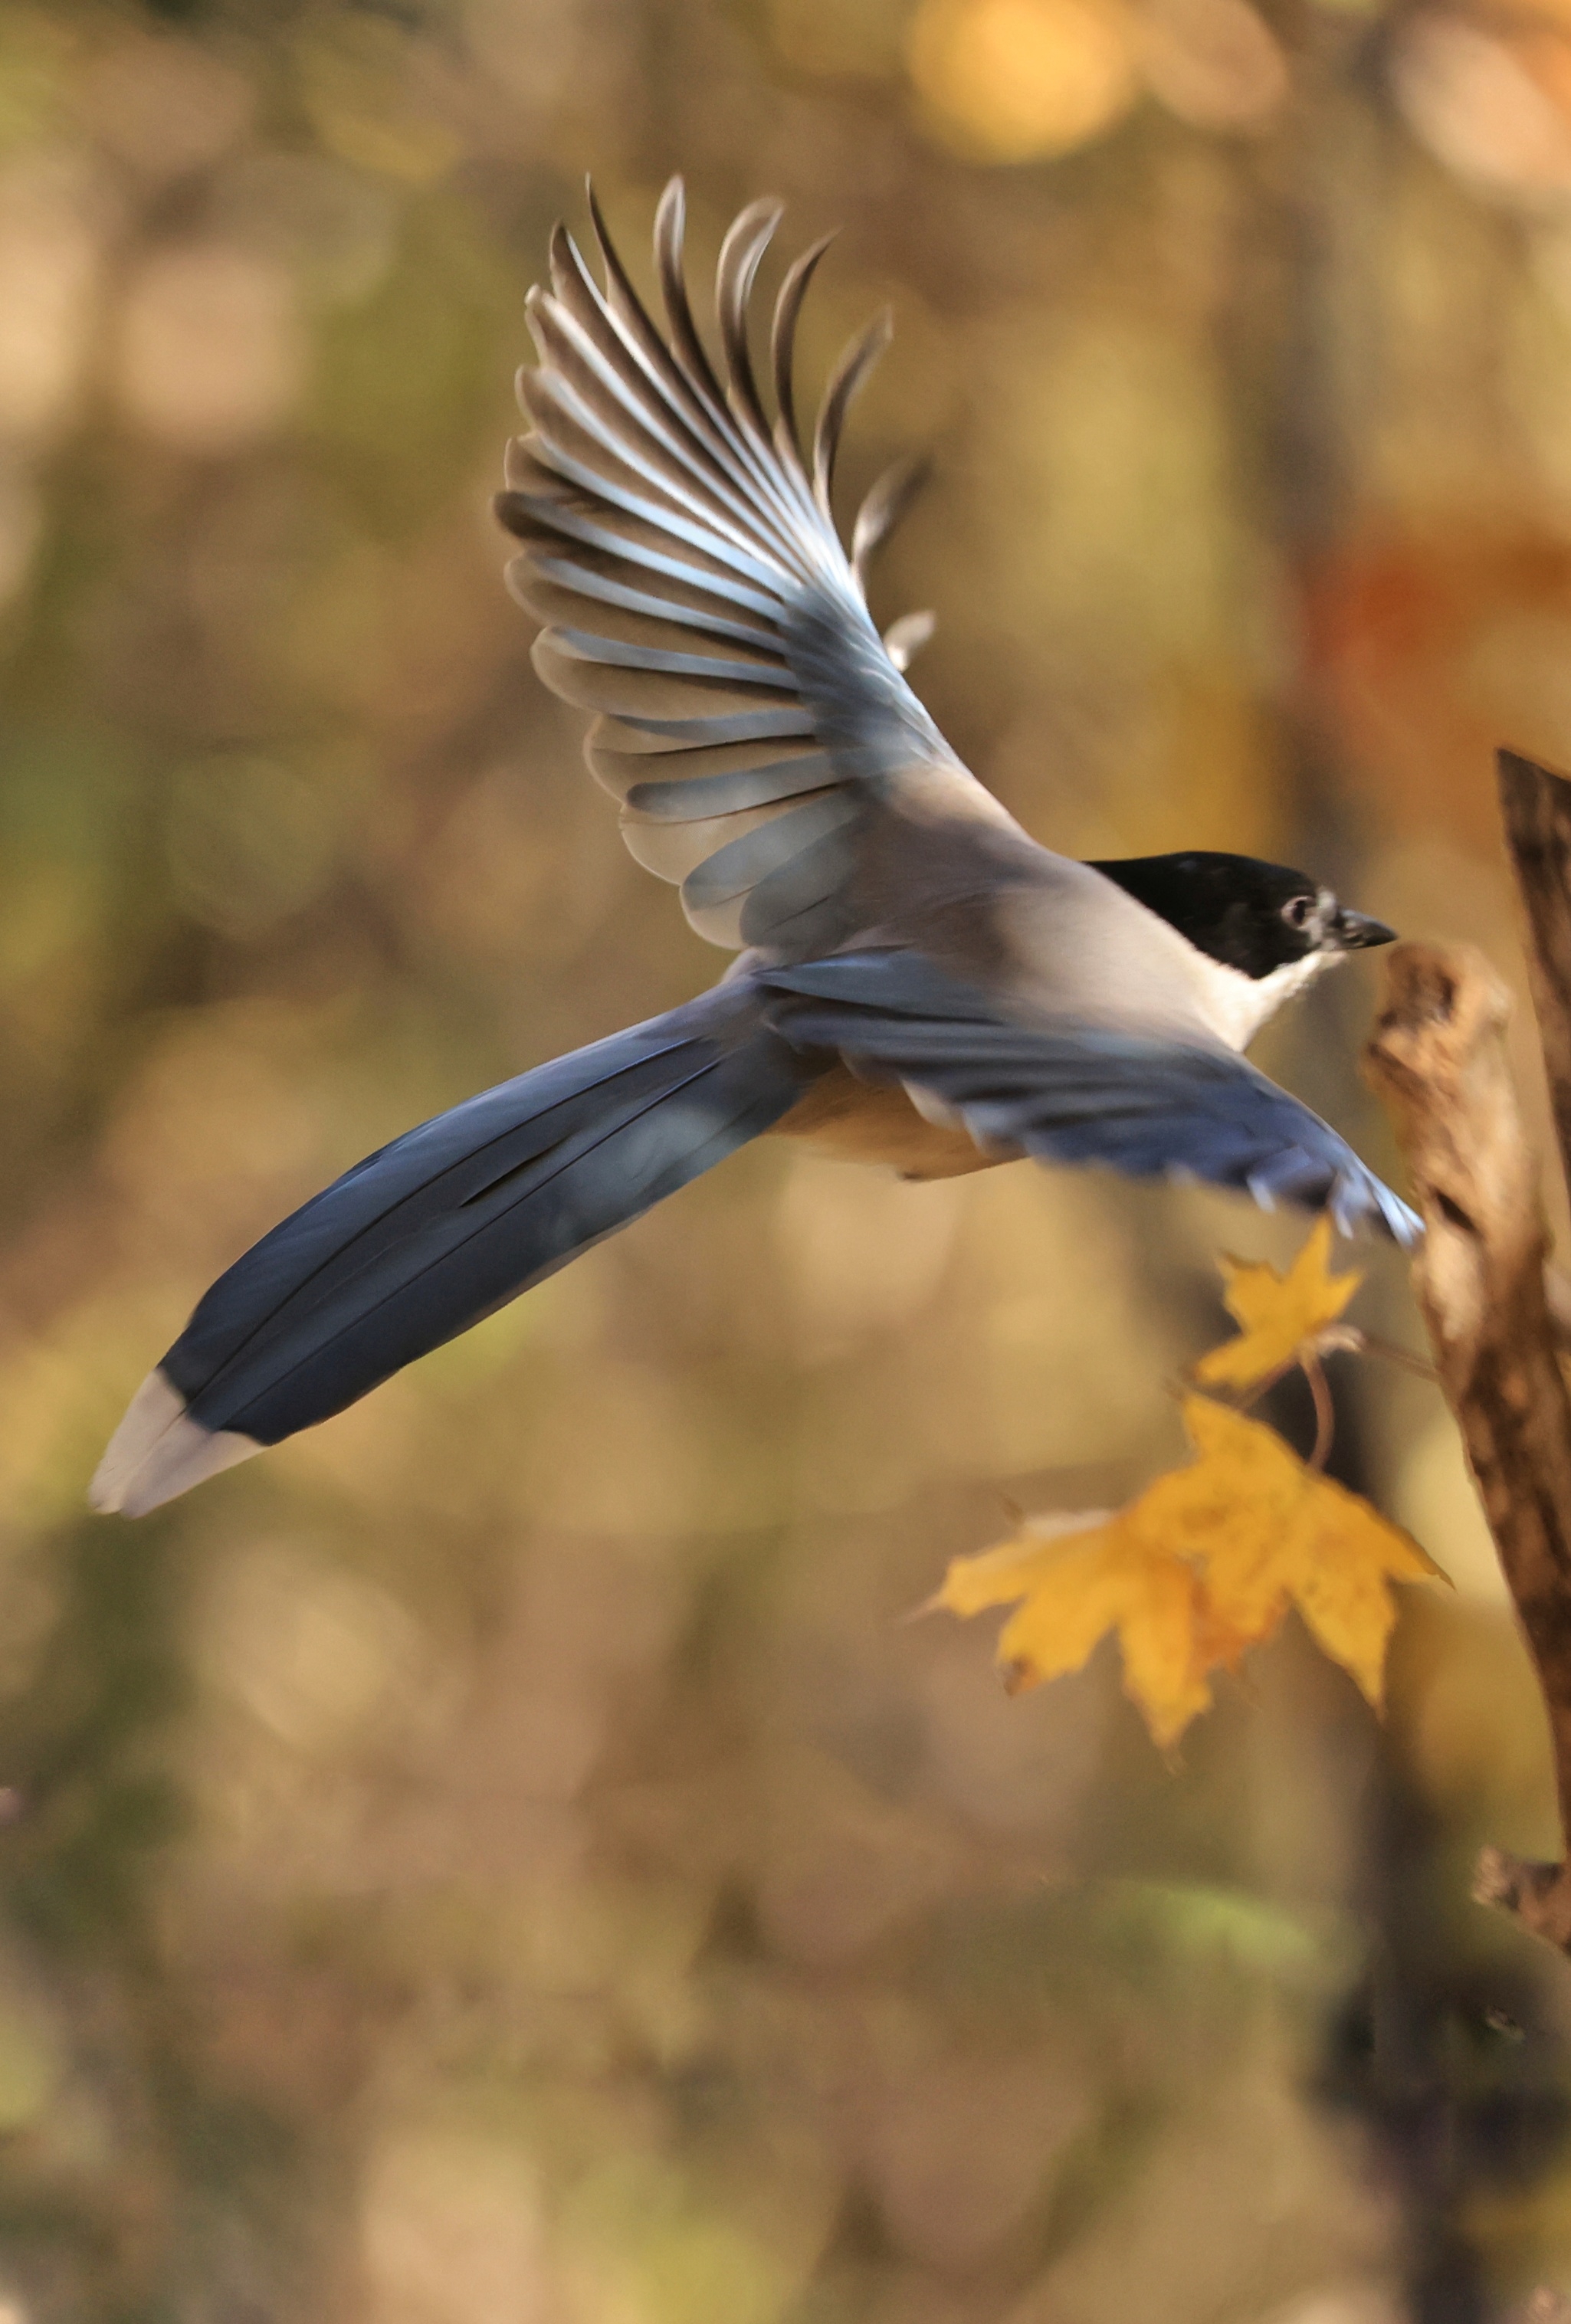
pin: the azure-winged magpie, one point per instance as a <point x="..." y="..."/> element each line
<point x="919" y="981"/>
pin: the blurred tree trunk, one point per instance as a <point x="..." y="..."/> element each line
<point x="1295" y="334"/>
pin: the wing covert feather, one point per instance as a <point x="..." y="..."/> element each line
<point x="1072" y="1092"/>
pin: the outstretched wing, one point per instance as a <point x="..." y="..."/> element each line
<point x="1079" y="1093"/>
<point x="681" y="551"/>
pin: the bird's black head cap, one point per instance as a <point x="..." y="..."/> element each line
<point x="1252" y="917"/>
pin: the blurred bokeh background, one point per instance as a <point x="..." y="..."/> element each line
<point x="503" y="1858"/>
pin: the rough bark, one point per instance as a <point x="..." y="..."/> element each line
<point x="1536" y="810"/>
<point x="1437" y="1056"/>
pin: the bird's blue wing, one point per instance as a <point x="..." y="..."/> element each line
<point x="1079" y="1093"/>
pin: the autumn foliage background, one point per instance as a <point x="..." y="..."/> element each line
<point x="503" y="1859"/>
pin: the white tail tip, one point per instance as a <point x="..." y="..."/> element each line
<point x="158" y="1451"/>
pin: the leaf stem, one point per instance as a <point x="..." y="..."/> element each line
<point x="1375" y="1346"/>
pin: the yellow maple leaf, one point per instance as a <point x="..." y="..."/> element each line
<point x="1076" y="1579"/>
<point x="1283" y="1316"/>
<point x="1271" y="1532"/>
<point x="1200" y="1566"/>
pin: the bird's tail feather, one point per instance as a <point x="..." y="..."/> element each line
<point x="449" y="1222"/>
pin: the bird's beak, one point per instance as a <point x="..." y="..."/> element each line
<point x="1355" y="931"/>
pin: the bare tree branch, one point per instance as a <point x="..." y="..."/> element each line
<point x="1536" y="808"/>
<point x="1437" y="1056"/>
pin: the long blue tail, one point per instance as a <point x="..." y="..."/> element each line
<point x="449" y="1222"/>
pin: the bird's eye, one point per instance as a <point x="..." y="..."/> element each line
<point x="1296" y="911"/>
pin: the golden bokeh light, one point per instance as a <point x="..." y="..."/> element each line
<point x="1020" y="80"/>
<point x="50" y="257"/>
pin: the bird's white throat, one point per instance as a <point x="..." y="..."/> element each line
<point x="1237" y="1006"/>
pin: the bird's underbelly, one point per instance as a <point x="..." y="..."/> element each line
<point x="858" y="1122"/>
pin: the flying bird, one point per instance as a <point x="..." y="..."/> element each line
<point x="917" y="981"/>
